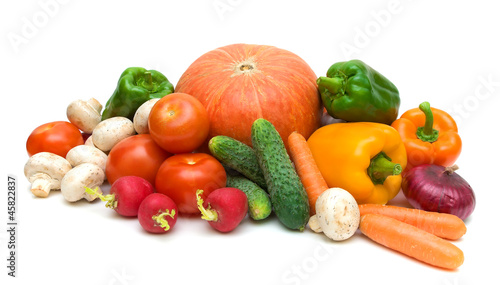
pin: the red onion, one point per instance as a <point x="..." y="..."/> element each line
<point x="439" y="189"/>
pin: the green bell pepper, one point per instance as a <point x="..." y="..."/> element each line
<point x="355" y="92"/>
<point x="136" y="86"/>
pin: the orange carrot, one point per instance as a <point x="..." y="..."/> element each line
<point x="440" y="224"/>
<point x="306" y="168"/>
<point x="412" y="241"/>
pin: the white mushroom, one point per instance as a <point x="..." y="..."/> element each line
<point x="87" y="154"/>
<point x="111" y="131"/>
<point x="337" y="214"/>
<point x="142" y="115"/>
<point x="89" y="141"/>
<point x="45" y="171"/>
<point x="85" y="114"/>
<point x="84" y="175"/>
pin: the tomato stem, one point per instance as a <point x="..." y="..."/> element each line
<point x="381" y="167"/>
<point x="206" y="213"/>
<point x="109" y="199"/>
<point x="427" y="133"/>
<point x="161" y="220"/>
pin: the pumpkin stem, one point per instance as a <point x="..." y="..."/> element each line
<point x="247" y="67"/>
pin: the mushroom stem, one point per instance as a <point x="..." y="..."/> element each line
<point x="41" y="185"/>
<point x="95" y="104"/>
<point x="314" y="224"/>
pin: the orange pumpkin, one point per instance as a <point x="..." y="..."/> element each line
<point x="240" y="83"/>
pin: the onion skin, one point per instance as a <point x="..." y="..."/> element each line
<point x="438" y="189"/>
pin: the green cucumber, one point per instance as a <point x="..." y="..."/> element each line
<point x="259" y="205"/>
<point x="288" y="196"/>
<point x="237" y="156"/>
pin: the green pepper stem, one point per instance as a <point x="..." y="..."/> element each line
<point x="161" y="220"/>
<point x="109" y="199"/>
<point x="206" y="213"/>
<point x="381" y="167"/>
<point x="427" y="133"/>
<point x="334" y="85"/>
<point x="148" y="80"/>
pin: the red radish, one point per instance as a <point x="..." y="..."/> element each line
<point x="224" y="208"/>
<point x="126" y="195"/>
<point x="157" y="213"/>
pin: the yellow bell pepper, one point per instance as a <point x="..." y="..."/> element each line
<point x="363" y="158"/>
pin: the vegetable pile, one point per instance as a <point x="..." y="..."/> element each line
<point x="244" y="134"/>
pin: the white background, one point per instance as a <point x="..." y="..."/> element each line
<point x="446" y="52"/>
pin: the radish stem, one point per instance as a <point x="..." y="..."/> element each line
<point x="160" y="218"/>
<point x="206" y="213"/>
<point x="109" y="199"/>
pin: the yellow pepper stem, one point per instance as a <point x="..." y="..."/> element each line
<point x="381" y="167"/>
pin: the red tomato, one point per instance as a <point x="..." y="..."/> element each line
<point x="178" y="123"/>
<point x="55" y="137"/>
<point x="137" y="155"/>
<point x="182" y="174"/>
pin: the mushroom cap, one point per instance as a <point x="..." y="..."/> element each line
<point x="52" y="166"/>
<point x="85" y="114"/>
<point x="111" y="131"/>
<point x="87" y="154"/>
<point x="337" y="213"/>
<point x="142" y="115"/>
<point x="89" y="141"/>
<point x="84" y="175"/>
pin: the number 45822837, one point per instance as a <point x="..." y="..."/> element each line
<point x="11" y="197"/>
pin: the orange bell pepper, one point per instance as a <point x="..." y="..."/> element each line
<point x="430" y="136"/>
<point x="366" y="159"/>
